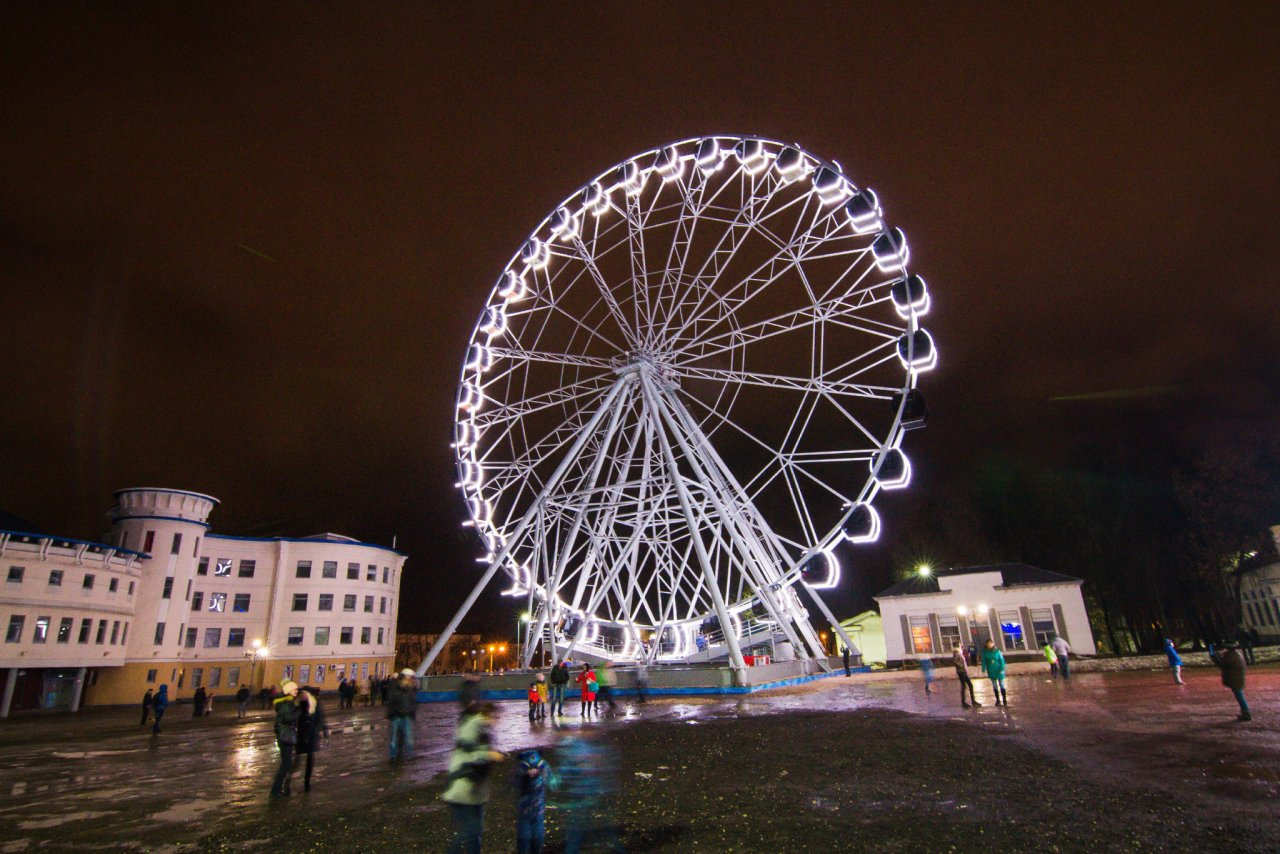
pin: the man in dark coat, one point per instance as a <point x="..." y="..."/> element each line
<point x="311" y="726"/>
<point x="1230" y="661"/>
<point x="559" y="683"/>
<point x="198" y="702"/>
<point x="146" y="707"/>
<point x="402" y="707"/>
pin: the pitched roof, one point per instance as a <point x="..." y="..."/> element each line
<point x="1011" y="574"/>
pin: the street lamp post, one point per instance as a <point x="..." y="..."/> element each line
<point x="256" y="651"/>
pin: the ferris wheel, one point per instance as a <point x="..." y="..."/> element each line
<point x="685" y="389"/>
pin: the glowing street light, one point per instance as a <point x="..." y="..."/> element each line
<point x="924" y="570"/>
<point x="257" y="650"/>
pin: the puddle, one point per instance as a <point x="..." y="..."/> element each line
<point x="185" y="811"/>
<point x="58" y="821"/>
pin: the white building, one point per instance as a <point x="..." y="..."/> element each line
<point x="1260" y="591"/>
<point x="1021" y="607"/>
<point x="166" y="601"/>
<point x="866" y="630"/>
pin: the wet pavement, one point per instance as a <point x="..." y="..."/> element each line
<point x="98" y="779"/>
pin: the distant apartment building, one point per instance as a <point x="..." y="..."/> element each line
<point x="163" y="600"/>
<point x="460" y="653"/>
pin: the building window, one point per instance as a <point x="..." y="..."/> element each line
<point x="212" y="638"/>
<point x="195" y="548"/>
<point x="322" y="635"/>
<point x="326" y="602"/>
<point x="295" y="636"/>
<point x="55" y="578"/>
<point x="1011" y="628"/>
<point x="921" y="638"/>
<point x="191" y="639"/>
<point x="14" y="635"/>
<point x="124" y="635"/>
<point x="130" y="589"/>
<point x="197" y="599"/>
<point x="346" y="634"/>
<point x="240" y="604"/>
<point x="380" y="631"/>
<point x="304" y="569"/>
<point x="85" y="625"/>
<point x="288" y="672"/>
<point x="319" y="674"/>
<point x="365" y="631"/>
<point x="115" y="631"/>
<point x="299" y="601"/>
<point x="235" y="637"/>
<point x="218" y="602"/>
<point x="349" y="602"/>
<point x="233" y="676"/>
<point x="949" y="629"/>
<point x="330" y="569"/>
<point x="87" y="584"/>
<point x="386" y="573"/>
<point x="64" y="630"/>
<point x="197" y="676"/>
<point x="101" y="636"/>
<point x="168" y="588"/>
<point x="371" y="574"/>
<point x="215" y="677"/>
<point x="223" y="567"/>
<point x="113" y="585"/>
<point x="353" y="572"/>
<point x="368" y="604"/>
<point x="382" y="604"/>
<point x="203" y="567"/>
<point x="177" y="544"/>
<point x="304" y="673"/>
<point x="247" y="568"/>
<point x="151" y="676"/>
<point x="149" y="541"/>
<point x="1042" y="625"/>
<point x="159" y="639"/>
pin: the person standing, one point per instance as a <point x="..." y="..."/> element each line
<point x="373" y="689"/>
<point x="961" y="663"/>
<point x="311" y="726"/>
<point x="198" y="703"/>
<point x="848" y="672"/>
<point x="1051" y="657"/>
<point x="993" y="664"/>
<point x="587" y="687"/>
<point x="1231" y="662"/>
<point x="402" y="708"/>
<point x="469" y="692"/>
<point x="1063" y="650"/>
<point x="158" y="705"/>
<point x="286" y="730"/>
<point x="532" y="778"/>
<point x="542" y="696"/>
<point x="470" y="764"/>
<point x="1175" y="661"/>
<point x="147" y="700"/>
<point x="559" y="683"/>
<point x="642" y="680"/>
<point x="242" y="701"/>
<point x="1244" y="638"/>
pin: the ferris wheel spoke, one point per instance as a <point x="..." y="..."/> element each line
<point x="572" y="393"/>
<point x="522" y="354"/>
<point x="817" y="385"/>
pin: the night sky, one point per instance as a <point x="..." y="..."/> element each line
<point x="242" y="254"/>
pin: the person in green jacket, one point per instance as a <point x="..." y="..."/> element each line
<point x="468" y="784"/>
<point x="1051" y="657"/>
<point x="993" y="664"/>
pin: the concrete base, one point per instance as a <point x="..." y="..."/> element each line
<point x="713" y="679"/>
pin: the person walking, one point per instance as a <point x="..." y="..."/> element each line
<point x="470" y="764"/>
<point x="1175" y="661"/>
<point x="848" y="672"/>
<point x="147" y="700"/>
<point x="402" y="708"/>
<point x="1231" y="662"/>
<point x="642" y="680"/>
<point x="587" y="686"/>
<point x="158" y="705"/>
<point x="242" y="701"/>
<point x="926" y="670"/>
<point x="993" y="665"/>
<point x="373" y="689"/>
<point x="198" y="703"/>
<point x="607" y="677"/>
<point x="1051" y="657"/>
<point x="961" y="663"/>
<point x="311" y="726"/>
<point x="531" y="779"/>
<point x="588" y="779"/>
<point x="1063" y="650"/>
<point x="286" y="730"/>
<point x="559" y="683"/>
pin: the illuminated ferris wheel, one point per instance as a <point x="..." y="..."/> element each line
<point x="685" y="389"/>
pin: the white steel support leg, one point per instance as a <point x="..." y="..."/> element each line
<point x="826" y="612"/>
<point x="722" y="611"/>
<point x="588" y="429"/>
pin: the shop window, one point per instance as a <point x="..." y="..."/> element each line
<point x="288" y="672"/>
<point x="1042" y="625"/>
<point x="921" y="638"/>
<point x="1011" y="629"/>
<point x="247" y="568"/>
<point x="320" y="674"/>
<point x="304" y="673"/>
<point x="329" y="569"/>
<point x="14" y="635"/>
<point x="235" y="637"/>
<point x="295" y="636"/>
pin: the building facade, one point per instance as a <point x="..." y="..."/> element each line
<point x="866" y="630"/>
<point x="1018" y="606"/>
<point x="460" y="652"/>
<point x="1260" y="591"/>
<point x="170" y="602"/>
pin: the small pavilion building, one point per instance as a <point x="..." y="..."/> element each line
<point x="1021" y="607"/>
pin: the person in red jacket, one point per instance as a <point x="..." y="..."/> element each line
<point x="587" y="684"/>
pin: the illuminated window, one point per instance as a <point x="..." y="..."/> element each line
<point x="1011" y="629"/>
<point x="288" y="672"/>
<point x="64" y="630"/>
<point x="304" y="673"/>
<point x="212" y="638"/>
<point x="14" y="635"/>
<point x="235" y="637"/>
<point x="222" y="567"/>
<point x="319" y="673"/>
<point x="330" y="569"/>
<point x="218" y="602"/>
<point x="322" y="635"/>
<point x="247" y="568"/>
<point x="1042" y="625"/>
<point x="921" y="638"/>
<point x="949" y="629"/>
<point x="295" y="636"/>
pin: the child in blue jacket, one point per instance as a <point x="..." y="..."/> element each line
<point x="531" y="778"/>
